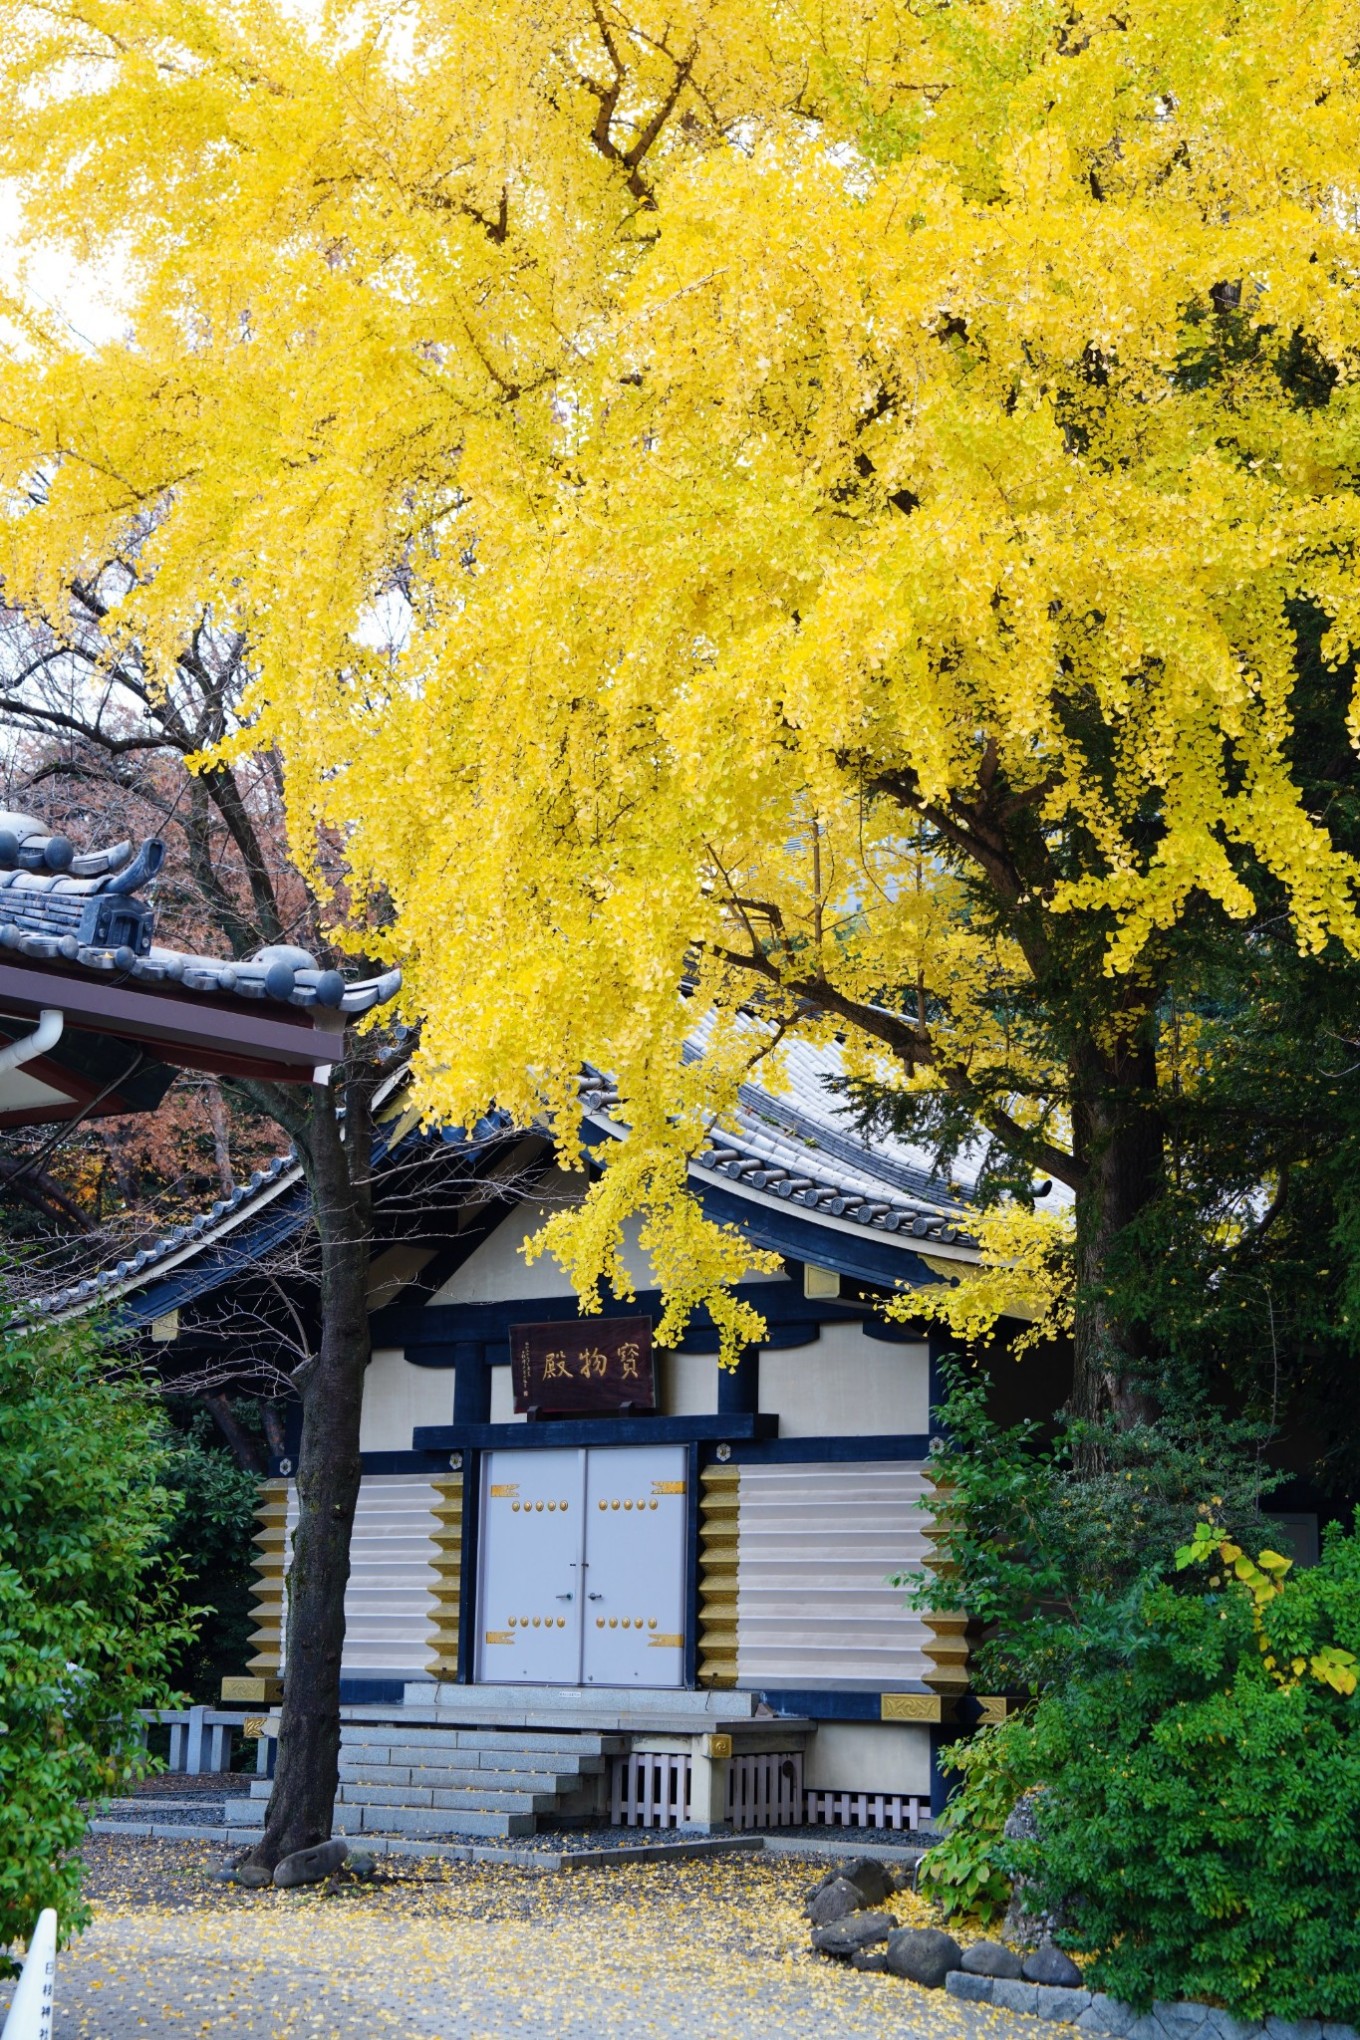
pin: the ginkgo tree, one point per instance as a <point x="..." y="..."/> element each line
<point x="755" y="519"/>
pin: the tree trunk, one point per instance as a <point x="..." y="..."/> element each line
<point x="273" y="1427"/>
<point x="221" y="1136"/>
<point x="247" y="1450"/>
<point x="1119" y="1141"/>
<point x="337" y="1162"/>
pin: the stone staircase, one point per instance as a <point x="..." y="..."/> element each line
<point x="456" y="1783"/>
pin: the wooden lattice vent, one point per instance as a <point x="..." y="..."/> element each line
<point x="719" y="1503"/>
<point x="448" y="1564"/>
<point x="947" y="1649"/>
<point x="271" y="1563"/>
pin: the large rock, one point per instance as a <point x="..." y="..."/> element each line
<point x="848" y="1937"/>
<point x="834" y="1901"/>
<point x="1055" y="2002"/>
<point x="1026" y="1923"/>
<point x="923" y="1955"/>
<point x="1049" y="1965"/>
<point x="251" y="1876"/>
<point x="871" y="1879"/>
<point x="309" y="1866"/>
<point x="989" y="1958"/>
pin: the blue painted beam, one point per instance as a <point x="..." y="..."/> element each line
<point x="874" y="1257"/>
<point x="429" y="1333"/>
<point x="751" y="1437"/>
<point x="739" y="1386"/>
<point x="428" y="1439"/>
<point x="820" y="1703"/>
<point x="775" y="1451"/>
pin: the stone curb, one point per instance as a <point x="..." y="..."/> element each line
<point x="660" y="1852"/>
<point x="1094" y="2012"/>
<point x="904" y="1852"/>
<point x="169" y="1831"/>
<point x="459" y="1852"/>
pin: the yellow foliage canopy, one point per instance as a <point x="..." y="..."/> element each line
<point x="711" y="485"/>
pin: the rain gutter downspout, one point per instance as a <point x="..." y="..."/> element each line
<point x="45" y="1035"/>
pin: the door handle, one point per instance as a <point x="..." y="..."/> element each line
<point x="564" y="1597"/>
<point x="594" y="1597"/>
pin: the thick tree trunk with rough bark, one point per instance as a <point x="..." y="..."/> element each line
<point x="332" y="1385"/>
<point x="1118" y="1141"/>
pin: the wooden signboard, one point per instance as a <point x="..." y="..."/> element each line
<point x="565" y="1369"/>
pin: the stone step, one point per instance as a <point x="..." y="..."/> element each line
<point x="563" y="1706"/>
<point x="405" y="1820"/>
<point x="243" y="1813"/>
<point x="356" y="1735"/>
<point x="461" y="1778"/>
<point x="416" y="1798"/>
<point x="432" y="1780"/>
<point x="485" y="1763"/>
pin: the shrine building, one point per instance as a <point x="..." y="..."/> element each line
<point x="662" y="1590"/>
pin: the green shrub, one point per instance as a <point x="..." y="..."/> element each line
<point x="1050" y="1560"/>
<point x="964" y="1872"/>
<point x="1201" y="1814"/>
<point x="88" y="1620"/>
<point x="211" y="1537"/>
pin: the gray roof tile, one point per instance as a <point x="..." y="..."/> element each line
<point x="57" y="907"/>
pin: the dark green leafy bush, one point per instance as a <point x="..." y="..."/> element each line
<point x="211" y="1540"/>
<point x="964" y="1873"/>
<point x="89" y="1620"/>
<point x="1199" y="1816"/>
<point x="1050" y="1560"/>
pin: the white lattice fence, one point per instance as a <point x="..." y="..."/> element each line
<point x="650" y="1788"/>
<point x="866" y="1809"/>
<point x="765" y="1791"/>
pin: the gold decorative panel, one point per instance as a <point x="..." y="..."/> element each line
<point x="271" y="1545"/>
<point x="448" y="1565"/>
<point x="911" y="1707"/>
<point x="719" y="1507"/>
<point x="947" y="1649"/>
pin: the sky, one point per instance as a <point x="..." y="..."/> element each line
<point x="83" y="294"/>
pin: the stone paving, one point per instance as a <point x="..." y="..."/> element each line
<point x="705" y="1950"/>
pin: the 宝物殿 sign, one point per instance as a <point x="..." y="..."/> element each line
<point x="606" y="1365"/>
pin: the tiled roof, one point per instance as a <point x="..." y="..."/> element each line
<point x="60" y="907"/>
<point x="266" y="1188"/>
<point x="792" y="1144"/>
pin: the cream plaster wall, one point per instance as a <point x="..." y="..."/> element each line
<point x="390" y="1271"/>
<point x="398" y="1396"/>
<point x="503" y="1409"/>
<point x="845" y="1385"/>
<point x="863" y="1756"/>
<point x="497" y="1271"/>
<point x="687" y="1384"/>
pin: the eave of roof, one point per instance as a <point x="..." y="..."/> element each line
<point x="780" y="1152"/>
<point x="81" y="913"/>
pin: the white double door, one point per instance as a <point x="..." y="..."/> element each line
<point x="582" y="1569"/>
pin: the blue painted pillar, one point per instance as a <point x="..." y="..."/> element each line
<point x="471" y="1383"/>
<point x="739" y="1386"/>
<point x="942" y="1784"/>
<point x="939" y="1344"/>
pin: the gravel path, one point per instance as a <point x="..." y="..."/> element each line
<point x="704" y="1950"/>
